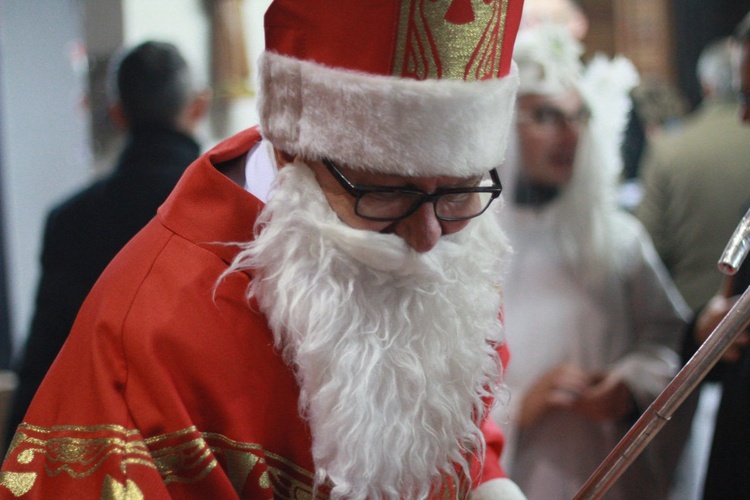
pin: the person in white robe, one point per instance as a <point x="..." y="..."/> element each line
<point x="592" y="320"/>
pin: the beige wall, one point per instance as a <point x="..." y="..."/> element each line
<point x="44" y="131"/>
<point x="43" y="87"/>
<point x="185" y="23"/>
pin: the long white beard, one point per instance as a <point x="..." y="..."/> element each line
<point x="393" y="350"/>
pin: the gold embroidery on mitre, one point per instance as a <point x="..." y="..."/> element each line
<point x="115" y="490"/>
<point x="452" y="39"/>
<point x="19" y="483"/>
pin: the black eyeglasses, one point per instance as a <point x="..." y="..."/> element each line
<point x="384" y="203"/>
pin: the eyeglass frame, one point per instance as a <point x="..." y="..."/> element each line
<point x="358" y="192"/>
<point x="580" y="118"/>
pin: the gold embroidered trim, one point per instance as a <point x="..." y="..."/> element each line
<point x="182" y="457"/>
<point x="451" y="39"/>
<point x="19" y="483"/>
<point x="78" y="451"/>
<point x="115" y="490"/>
<point x="285" y="478"/>
<point x="185" y="456"/>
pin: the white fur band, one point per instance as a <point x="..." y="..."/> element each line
<point x="498" y="489"/>
<point x="385" y="124"/>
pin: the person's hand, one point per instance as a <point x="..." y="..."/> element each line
<point x="710" y="317"/>
<point x="558" y="388"/>
<point x="607" y="398"/>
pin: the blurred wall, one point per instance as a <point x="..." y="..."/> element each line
<point x="50" y="144"/>
<point x="44" y="147"/>
<point x="189" y="29"/>
<point x="663" y="38"/>
<point x="5" y="331"/>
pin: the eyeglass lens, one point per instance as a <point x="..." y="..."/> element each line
<point x="397" y="204"/>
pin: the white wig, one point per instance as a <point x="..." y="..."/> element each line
<point x="549" y="62"/>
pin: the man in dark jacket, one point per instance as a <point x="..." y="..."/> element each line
<point x="154" y="101"/>
<point x="729" y="460"/>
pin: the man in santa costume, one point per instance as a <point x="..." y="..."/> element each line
<point x="314" y="311"/>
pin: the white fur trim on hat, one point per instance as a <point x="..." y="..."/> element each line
<point x="385" y="124"/>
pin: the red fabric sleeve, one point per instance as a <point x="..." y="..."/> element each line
<point x="494" y="440"/>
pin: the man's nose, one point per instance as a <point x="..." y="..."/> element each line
<point x="421" y="230"/>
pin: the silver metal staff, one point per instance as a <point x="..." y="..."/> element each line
<point x="661" y="410"/>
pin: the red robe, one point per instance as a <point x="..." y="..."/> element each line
<point x="169" y="386"/>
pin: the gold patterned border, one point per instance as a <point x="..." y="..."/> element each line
<point x="79" y="451"/>
<point x="185" y="456"/>
<point x="76" y="451"/>
<point x="450" y="39"/>
<point x="285" y="478"/>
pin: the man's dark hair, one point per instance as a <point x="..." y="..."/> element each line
<point x="152" y="84"/>
<point x="742" y="32"/>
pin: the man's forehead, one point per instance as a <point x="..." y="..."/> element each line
<point x="365" y="176"/>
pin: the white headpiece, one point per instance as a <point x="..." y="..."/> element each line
<point x="548" y="58"/>
<point x="549" y="63"/>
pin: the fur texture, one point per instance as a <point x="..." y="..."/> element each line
<point x="385" y="124"/>
<point x="394" y="350"/>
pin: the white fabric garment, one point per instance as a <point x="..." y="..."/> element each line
<point x="632" y="325"/>
<point x="503" y="489"/>
<point x="260" y="171"/>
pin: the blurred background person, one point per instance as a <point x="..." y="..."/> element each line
<point x="658" y="108"/>
<point x="729" y="457"/>
<point x="695" y="182"/>
<point x="592" y="318"/>
<point x="154" y="98"/>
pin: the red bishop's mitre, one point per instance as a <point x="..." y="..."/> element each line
<point x="408" y="87"/>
